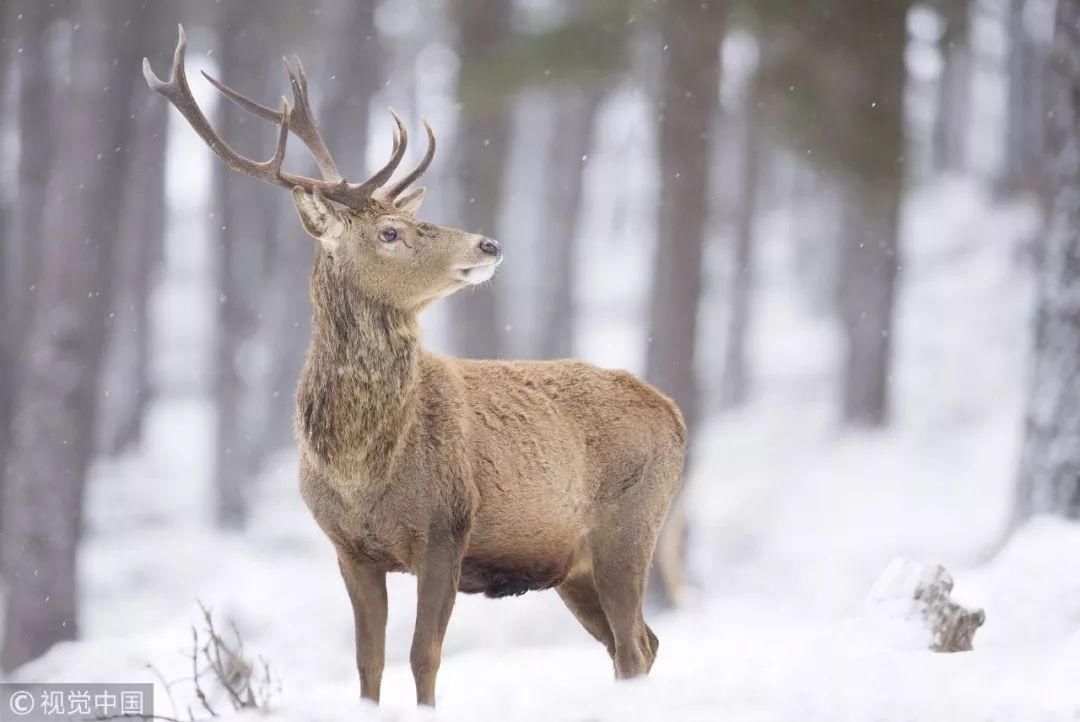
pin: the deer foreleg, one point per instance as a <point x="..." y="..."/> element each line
<point x="367" y="592"/>
<point x="437" y="583"/>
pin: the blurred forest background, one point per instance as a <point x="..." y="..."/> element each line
<point x="628" y="155"/>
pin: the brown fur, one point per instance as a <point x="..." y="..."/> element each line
<point x="480" y="476"/>
<point x="514" y="475"/>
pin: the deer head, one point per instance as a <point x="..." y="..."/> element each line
<point x="368" y="232"/>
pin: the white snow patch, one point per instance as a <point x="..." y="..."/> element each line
<point x="793" y="520"/>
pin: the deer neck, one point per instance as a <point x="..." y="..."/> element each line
<point x="357" y="393"/>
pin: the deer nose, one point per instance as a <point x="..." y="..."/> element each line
<point x="491" y="247"/>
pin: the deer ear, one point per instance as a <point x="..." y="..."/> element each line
<point x="321" y="220"/>
<point x="410" y="202"/>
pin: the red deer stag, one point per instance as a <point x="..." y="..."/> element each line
<point x="475" y="476"/>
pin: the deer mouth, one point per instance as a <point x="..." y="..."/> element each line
<point x="476" y="274"/>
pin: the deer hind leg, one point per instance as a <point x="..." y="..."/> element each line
<point x="579" y="594"/>
<point x="622" y="544"/>
<point x="581" y="597"/>
<point x="621" y="588"/>
<point x="653" y="644"/>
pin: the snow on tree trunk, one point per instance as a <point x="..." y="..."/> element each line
<point x="691" y="32"/>
<point x="1050" y="462"/>
<point x="55" y="411"/>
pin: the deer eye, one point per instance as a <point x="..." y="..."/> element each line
<point x="388" y="235"/>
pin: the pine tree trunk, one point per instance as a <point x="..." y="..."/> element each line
<point x="247" y="228"/>
<point x="868" y="269"/>
<point x="142" y="232"/>
<point x="870" y="254"/>
<point x="954" y="88"/>
<point x="735" y="381"/>
<point x="1050" y="463"/>
<point x="37" y="140"/>
<point x="354" y="62"/>
<point x="480" y="157"/>
<point x="56" y="404"/>
<point x="7" y="280"/>
<point x="20" y="253"/>
<point x="574" y="115"/>
<point x="1023" y="120"/>
<point x="692" y="32"/>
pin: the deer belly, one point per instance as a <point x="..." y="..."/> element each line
<point x="524" y="535"/>
<point x="506" y="560"/>
<point x="507" y="576"/>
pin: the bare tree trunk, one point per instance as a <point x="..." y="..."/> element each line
<point x="247" y="228"/>
<point x="954" y="88"/>
<point x="870" y="256"/>
<point x="1024" y="122"/>
<point x="575" y="113"/>
<point x="868" y="269"/>
<point x="353" y="60"/>
<point x="7" y="51"/>
<point x="20" y="253"/>
<point x="56" y="404"/>
<point x="692" y="32"/>
<point x="481" y="154"/>
<point x="1050" y="463"/>
<point x="8" y="281"/>
<point x="734" y="381"/>
<point x="142" y="232"/>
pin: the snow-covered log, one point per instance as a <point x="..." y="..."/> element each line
<point x="917" y="596"/>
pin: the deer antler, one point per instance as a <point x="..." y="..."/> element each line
<point x="305" y="127"/>
<point x="396" y="190"/>
<point x="300" y="120"/>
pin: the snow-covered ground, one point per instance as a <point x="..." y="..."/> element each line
<point x="793" y="521"/>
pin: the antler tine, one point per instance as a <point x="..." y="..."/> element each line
<point x="243" y="101"/>
<point x="276" y="160"/>
<point x="412" y="177"/>
<point x="177" y="91"/>
<point x="298" y="120"/>
<point x="383" y="174"/>
<point x="302" y="121"/>
<point x="304" y="124"/>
